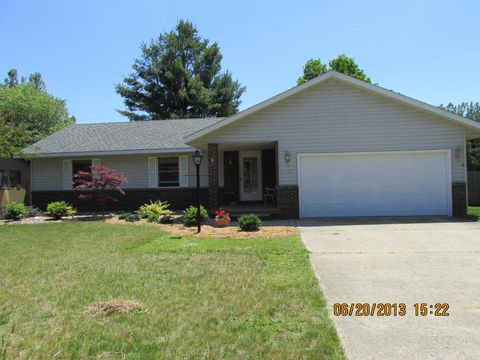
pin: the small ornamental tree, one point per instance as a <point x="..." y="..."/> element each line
<point x="104" y="183"/>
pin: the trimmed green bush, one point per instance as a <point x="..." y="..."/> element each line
<point x="151" y="217"/>
<point x="14" y="211"/>
<point x="129" y="217"/>
<point x="190" y="215"/>
<point x="59" y="209"/>
<point x="249" y="222"/>
<point x="154" y="211"/>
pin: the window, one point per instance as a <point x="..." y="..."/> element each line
<point x="9" y="179"/>
<point x="80" y="165"/>
<point x="168" y="171"/>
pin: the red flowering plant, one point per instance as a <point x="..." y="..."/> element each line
<point x="222" y="218"/>
<point x="220" y="214"/>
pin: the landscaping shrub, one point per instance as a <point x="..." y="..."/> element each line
<point x="33" y="211"/>
<point x="14" y="211"/>
<point x="154" y="211"/>
<point x="190" y="215"/>
<point x="166" y="219"/>
<point x="151" y="217"/>
<point x="105" y="182"/>
<point x="59" y="209"/>
<point x="129" y="217"/>
<point x="249" y="222"/>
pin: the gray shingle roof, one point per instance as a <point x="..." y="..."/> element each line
<point x="142" y="136"/>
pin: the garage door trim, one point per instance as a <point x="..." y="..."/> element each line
<point x="446" y="152"/>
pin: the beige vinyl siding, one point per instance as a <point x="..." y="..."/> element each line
<point x="335" y="117"/>
<point x="47" y="173"/>
<point x="135" y="168"/>
<point x="192" y="171"/>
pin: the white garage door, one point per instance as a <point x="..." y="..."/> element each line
<point x="375" y="184"/>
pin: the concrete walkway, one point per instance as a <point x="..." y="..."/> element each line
<point x="401" y="260"/>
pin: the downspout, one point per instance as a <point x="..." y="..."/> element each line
<point x="464" y="137"/>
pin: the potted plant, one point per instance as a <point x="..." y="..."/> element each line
<point x="222" y="218"/>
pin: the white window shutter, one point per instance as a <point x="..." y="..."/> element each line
<point x="152" y="172"/>
<point x="95" y="161"/>
<point x="67" y="175"/>
<point x="183" y="171"/>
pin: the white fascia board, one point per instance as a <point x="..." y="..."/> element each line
<point x="104" y="153"/>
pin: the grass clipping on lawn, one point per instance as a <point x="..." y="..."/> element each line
<point x="114" y="306"/>
<point x="209" y="231"/>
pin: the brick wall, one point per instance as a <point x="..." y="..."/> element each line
<point x="459" y="199"/>
<point x="179" y="198"/>
<point x="287" y="201"/>
<point x="213" y="193"/>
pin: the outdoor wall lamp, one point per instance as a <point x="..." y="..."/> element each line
<point x="197" y="157"/>
<point x="458" y="153"/>
<point x="287" y="157"/>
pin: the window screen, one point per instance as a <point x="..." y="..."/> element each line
<point x="168" y="171"/>
<point x="9" y="179"/>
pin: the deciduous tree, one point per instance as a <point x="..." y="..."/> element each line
<point x="28" y="113"/>
<point x="342" y="63"/>
<point x="469" y="110"/>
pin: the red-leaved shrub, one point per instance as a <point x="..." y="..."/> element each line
<point x="103" y="184"/>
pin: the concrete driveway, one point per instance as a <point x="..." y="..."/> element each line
<point x="401" y="260"/>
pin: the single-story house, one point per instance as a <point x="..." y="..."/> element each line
<point x="334" y="146"/>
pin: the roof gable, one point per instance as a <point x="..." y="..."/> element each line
<point x="419" y="105"/>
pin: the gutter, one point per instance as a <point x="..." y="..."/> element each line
<point x="101" y="153"/>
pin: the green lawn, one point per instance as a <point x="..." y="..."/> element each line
<point x="206" y="298"/>
<point x="474" y="212"/>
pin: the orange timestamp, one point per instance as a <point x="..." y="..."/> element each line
<point x="390" y="309"/>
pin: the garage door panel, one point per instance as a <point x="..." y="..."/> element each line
<point x="374" y="184"/>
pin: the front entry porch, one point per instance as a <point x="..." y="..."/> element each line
<point x="246" y="178"/>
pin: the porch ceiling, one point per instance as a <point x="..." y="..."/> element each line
<point x="247" y="146"/>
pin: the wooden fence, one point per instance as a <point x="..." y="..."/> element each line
<point x="474" y="187"/>
<point x="12" y="195"/>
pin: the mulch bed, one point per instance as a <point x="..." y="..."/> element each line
<point x="209" y="231"/>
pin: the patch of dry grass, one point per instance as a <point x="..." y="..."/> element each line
<point x="112" y="306"/>
<point x="208" y="231"/>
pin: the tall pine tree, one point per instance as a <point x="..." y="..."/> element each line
<point x="179" y="76"/>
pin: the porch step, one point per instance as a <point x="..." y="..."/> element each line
<point x="238" y="210"/>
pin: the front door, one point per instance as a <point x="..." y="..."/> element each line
<point x="250" y="175"/>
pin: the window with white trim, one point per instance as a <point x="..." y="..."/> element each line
<point x="168" y="171"/>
